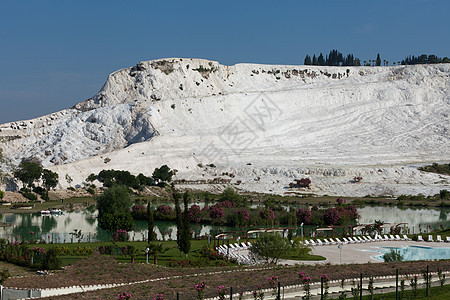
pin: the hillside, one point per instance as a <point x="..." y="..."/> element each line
<point x="268" y="125"/>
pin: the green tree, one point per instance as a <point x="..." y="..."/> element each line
<point x="49" y="179"/>
<point x="270" y="247"/>
<point x="114" y="199"/>
<point x="113" y="209"/>
<point x="2" y="194"/>
<point x="91" y="178"/>
<point x="163" y="174"/>
<point x="28" y="172"/>
<point x="231" y="195"/>
<point x="150" y="219"/>
<point x="308" y="60"/>
<point x="378" y="62"/>
<point x="186" y="228"/>
<point x="115" y="221"/>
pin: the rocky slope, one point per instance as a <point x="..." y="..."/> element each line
<point x="265" y="124"/>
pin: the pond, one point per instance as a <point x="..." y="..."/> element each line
<point x="61" y="228"/>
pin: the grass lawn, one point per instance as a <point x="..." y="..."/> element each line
<point x="171" y="253"/>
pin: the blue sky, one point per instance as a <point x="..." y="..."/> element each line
<point x="54" y="54"/>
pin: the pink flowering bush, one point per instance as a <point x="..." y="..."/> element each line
<point x="139" y="212"/>
<point x="267" y="214"/>
<point x="227" y="204"/>
<point x="159" y="297"/>
<point x="195" y="214"/>
<point x="216" y="212"/>
<point x="304" y="216"/>
<point x="123" y="296"/>
<point x="165" y="210"/>
<point x="340" y="201"/>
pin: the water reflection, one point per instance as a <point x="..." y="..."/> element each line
<point x="60" y="227"/>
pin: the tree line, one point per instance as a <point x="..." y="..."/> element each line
<point x="336" y="58"/>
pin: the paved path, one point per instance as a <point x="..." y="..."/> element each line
<point x="357" y="253"/>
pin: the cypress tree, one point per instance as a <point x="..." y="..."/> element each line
<point x="185" y="246"/>
<point x="307" y="60"/>
<point x="151" y="222"/>
<point x="314" y="60"/>
<point x="178" y="220"/>
<point x="378" y="62"/>
<point x="320" y="60"/>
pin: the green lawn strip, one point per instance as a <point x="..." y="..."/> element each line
<point x="171" y="254"/>
<point x="436" y="293"/>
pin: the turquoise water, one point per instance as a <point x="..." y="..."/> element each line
<point x="411" y="253"/>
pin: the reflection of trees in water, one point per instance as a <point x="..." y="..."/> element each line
<point x="196" y="228"/>
<point x="443" y="214"/>
<point x="48" y="223"/>
<point x="67" y="221"/>
<point x="164" y="228"/>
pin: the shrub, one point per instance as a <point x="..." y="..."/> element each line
<point x="30" y="196"/>
<point x="393" y="255"/>
<point x="51" y="261"/>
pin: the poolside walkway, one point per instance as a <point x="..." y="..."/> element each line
<point x="358" y="254"/>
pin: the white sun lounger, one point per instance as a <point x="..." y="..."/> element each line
<point x="405" y="237"/>
<point x="312" y="243"/>
<point x="366" y="238"/>
<point x="430" y="238"/>
<point x="439" y="239"/>
<point x="398" y="238"/>
<point x="447" y="239"/>
<point x="339" y="241"/>
<point x="347" y="241"/>
<point x="361" y="239"/>
<point x="319" y="242"/>
<point x="420" y="239"/>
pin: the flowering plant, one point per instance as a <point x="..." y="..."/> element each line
<point x="123" y="296"/>
<point x="159" y="297"/>
<point x="306" y="280"/>
<point x="258" y="294"/>
<point x="200" y="287"/>
<point x="325" y="279"/>
<point x="222" y="292"/>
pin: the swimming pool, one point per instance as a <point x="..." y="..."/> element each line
<point x="411" y="253"/>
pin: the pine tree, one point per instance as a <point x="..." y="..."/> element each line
<point x="314" y="60"/>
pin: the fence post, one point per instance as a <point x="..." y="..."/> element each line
<point x="279" y="291"/>
<point x="396" y="284"/>
<point x="231" y="293"/>
<point x="360" y="286"/>
<point x="427" y="281"/>
<point x="321" y="288"/>
<point x="178" y="296"/>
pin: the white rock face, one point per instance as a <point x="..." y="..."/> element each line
<point x="268" y="125"/>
